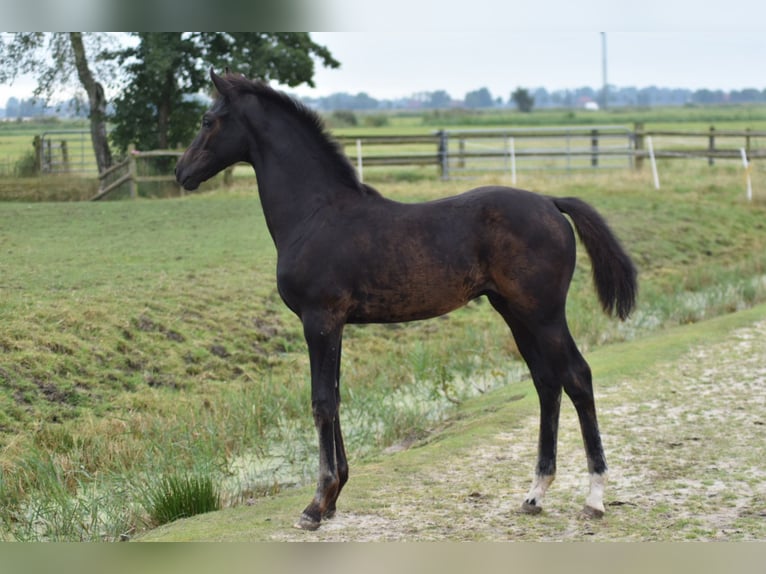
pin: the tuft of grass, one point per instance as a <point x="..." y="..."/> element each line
<point x="181" y="496"/>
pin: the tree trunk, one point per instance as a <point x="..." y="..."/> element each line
<point x="97" y="102"/>
<point x="164" y="108"/>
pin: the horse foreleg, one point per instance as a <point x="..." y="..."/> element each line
<point x="342" y="465"/>
<point x="324" y="354"/>
<point x="340" y="450"/>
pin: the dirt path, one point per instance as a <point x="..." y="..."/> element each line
<point x="685" y="444"/>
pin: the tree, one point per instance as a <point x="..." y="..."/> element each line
<point x="53" y="58"/>
<point x="439" y="99"/>
<point x="480" y="98"/>
<point x="97" y="101"/>
<point x="523" y="100"/>
<point x="166" y="71"/>
<point x="12" y="108"/>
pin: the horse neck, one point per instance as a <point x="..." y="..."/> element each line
<point x="296" y="174"/>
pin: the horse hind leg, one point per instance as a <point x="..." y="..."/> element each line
<point x="549" y="396"/>
<point x="574" y="374"/>
<point x="555" y="363"/>
<point x="579" y="388"/>
<point x="548" y="389"/>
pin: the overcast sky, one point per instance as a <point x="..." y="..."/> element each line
<point x="401" y="47"/>
<point x="396" y="64"/>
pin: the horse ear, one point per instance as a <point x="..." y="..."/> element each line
<point x="221" y="84"/>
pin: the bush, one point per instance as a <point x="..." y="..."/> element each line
<point x="27" y="166"/>
<point x="376" y="120"/>
<point x="343" y="119"/>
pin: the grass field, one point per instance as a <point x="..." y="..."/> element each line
<point x="146" y="340"/>
<point x="144" y="343"/>
<point x="16" y="137"/>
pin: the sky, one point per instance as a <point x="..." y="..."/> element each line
<point x="411" y="46"/>
<point x="397" y="64"/>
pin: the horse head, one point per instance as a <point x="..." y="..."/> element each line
<point x="221" y="142"/>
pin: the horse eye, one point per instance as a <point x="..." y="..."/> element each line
<point x="206" y="122"/>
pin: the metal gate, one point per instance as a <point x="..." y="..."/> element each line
<point x="65" y="151"/>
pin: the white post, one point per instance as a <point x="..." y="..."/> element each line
<point x="512" y="154"/>
<point x="359" y="166"/>
<point x="746" y="165"/>
<point x="654" y="162"/>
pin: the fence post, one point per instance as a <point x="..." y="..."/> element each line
<point x="711" y="146"/>
<point x="132" y="171"/>
<point x="48" y="161"/>
<point x="443" y="154"/>
<point x="359" y="162"/>
<point x="64" y="156"/>
<point x="594" y="148"/>
<point x="38" y="145"/>
<point x="228" y="178"/>
<point x="461" y="153"/>
<point x="512" y="154"/>
<point x="638" y="145"/>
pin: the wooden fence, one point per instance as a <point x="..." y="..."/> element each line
<point x="459" y="153"/>
<point x="126" y="172"/>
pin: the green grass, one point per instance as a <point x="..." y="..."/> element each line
<point x="174" y="497"/>
<point x="147" y="338"/>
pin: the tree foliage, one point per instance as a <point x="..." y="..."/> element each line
<point x="480" y="98"/>
<point x="50" y="59"/>
<point x="54" y="58"/>
<point x="158" y="108"/>
<point x="523" y="99"/>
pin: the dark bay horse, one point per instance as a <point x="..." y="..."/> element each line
<point x="346" y="254"/>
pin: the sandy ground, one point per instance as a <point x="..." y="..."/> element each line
<point x="685" y="445"/>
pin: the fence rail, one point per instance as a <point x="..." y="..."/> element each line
<point x="461" y="153"/>
<point x="64" y="151"/>
<point x="127" y="172"/>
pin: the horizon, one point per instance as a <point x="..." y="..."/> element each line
<point x="397" y="65"/>
<point x="415" y="96"/>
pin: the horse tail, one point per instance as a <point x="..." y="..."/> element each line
<point x="613" y="271"/>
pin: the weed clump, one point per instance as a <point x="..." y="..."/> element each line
<point x="174" y="497"/>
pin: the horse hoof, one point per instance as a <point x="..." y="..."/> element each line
<point x="328" y="514"/>
<point x="307" y="523"/>
<point x="590" y="512"/>
<point x="530" y="508"/>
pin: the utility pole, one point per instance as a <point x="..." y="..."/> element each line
<point x="605" y="93"/>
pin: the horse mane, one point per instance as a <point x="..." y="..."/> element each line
<point x="311" y="120"/>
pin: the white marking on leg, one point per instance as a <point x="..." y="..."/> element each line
<point x="595" y="499"/>
<point x="537" y="492"/>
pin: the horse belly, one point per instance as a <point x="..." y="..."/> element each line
<point x="410" y="300"/>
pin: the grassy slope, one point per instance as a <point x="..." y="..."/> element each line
<point x="136" y="329"/>
<point x="101" y="300"/>
<point x="379" y="485"/>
